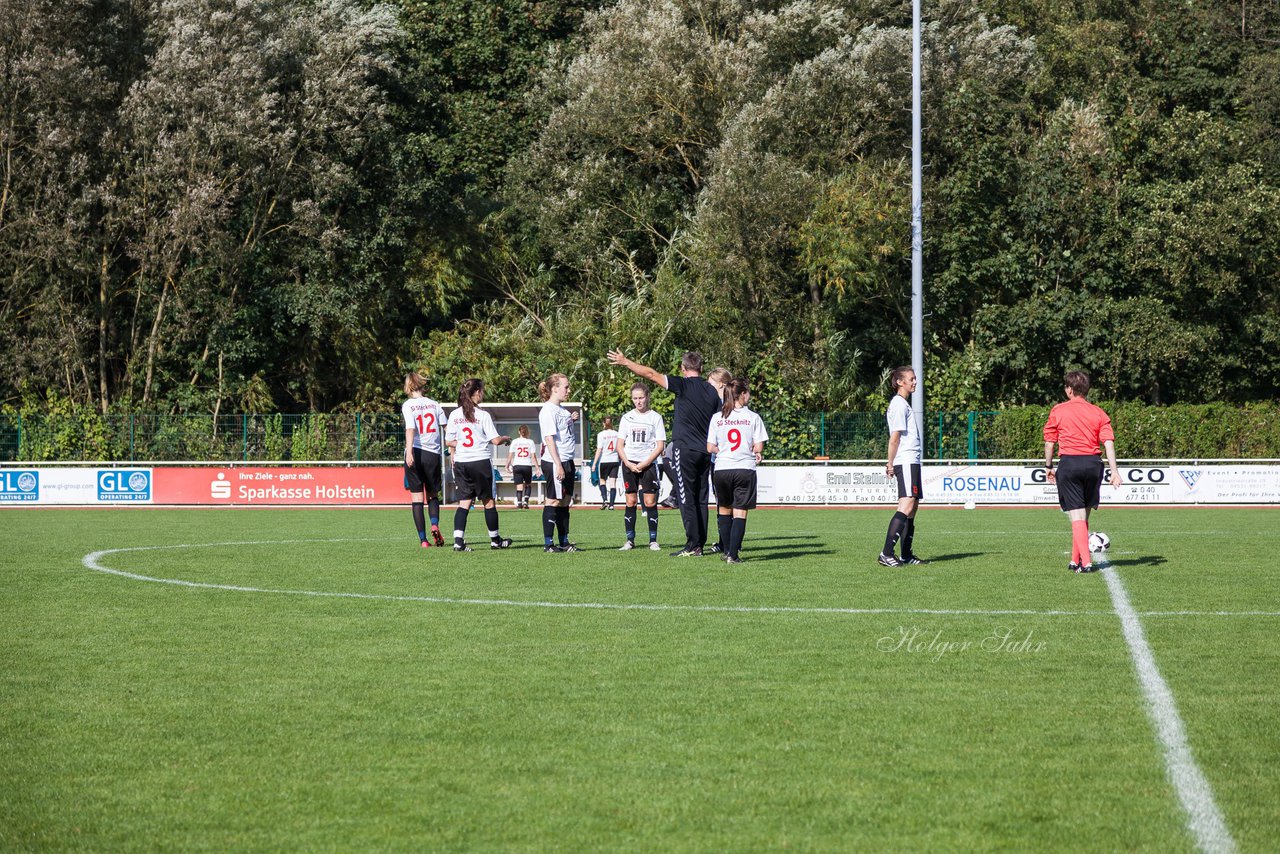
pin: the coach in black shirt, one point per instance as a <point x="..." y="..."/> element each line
<point x="697" y="400"/>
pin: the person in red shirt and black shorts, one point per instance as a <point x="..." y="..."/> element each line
<point x="1078" y="428"/>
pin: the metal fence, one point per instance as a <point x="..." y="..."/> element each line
<point x="363" y="437"/>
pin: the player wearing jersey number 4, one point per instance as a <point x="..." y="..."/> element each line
<point x="423" y="451"/>
<point x="736" y="436"/>
<point x="904" y="466"/>
<point x="1078" y="427"/>
<point x="641" y="440"/>
<point x="520" y="466"/>
<point x="607" y="459"/>
<point x="469" y="434"/>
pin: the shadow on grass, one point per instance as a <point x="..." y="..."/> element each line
<point x="956" y="556"/>
<point x="1147" y="560"/>
<point x="782" y="554"/>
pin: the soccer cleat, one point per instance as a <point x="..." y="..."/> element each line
<point x="888" y="560"/>
<point x="1088" y="567"/>
<point x="461" y="547"/>
<point x="500" y="543"/>
<point x="654" y="547"/>
<point x="424" y="544"/>
<point x="733" y="560"/>
<point x="912" y="560"/>
<point x="627" y="546"/>
<point x="1073" y="567"/>
<point x="570" y="547"/>
<point x="713" y="549"/>
<point x="688" y="552"/>
<point x="550" y="549"/>
<point x="437" y="536"/>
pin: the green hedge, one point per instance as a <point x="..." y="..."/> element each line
<point x="1181" y="431"/>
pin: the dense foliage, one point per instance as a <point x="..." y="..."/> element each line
<point x="213" y="206"/>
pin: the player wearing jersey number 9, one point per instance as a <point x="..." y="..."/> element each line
<point x="736" y="436"/>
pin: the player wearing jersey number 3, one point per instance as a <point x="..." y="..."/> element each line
<point x="423" y="451"/>
<point x="736" y="436"/>
<point x="1077" y="427"/>
<point x="469" y="434"/>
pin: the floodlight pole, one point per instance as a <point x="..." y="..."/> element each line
<point x="917" y="216"/>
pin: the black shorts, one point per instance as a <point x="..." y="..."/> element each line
<point x="735" y="488"/>
<point x="909" y="481"/>
<point x="473" y="480"/>
<point x="608" y="470"/>
<point x="558" y="489"/>
<point x="646" y="480"/>
<point x="522" y="474"/>
<point x="1079" y="479"/>
<point x="424" y="474"/>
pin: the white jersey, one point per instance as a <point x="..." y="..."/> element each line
<point x="639" y="432"/>
<point x="735" y="436"/>
<point x="426" y="418"/>
<point x="523" y="452"/>
<point x="901" y="420"/>
<point x="556" y="424"/>
<point x="472" y="437"/>
<point x="607" y="445"/>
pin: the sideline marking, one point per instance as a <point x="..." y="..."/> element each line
<point x="1204" y="819"/>
<point x="93" y="561"/>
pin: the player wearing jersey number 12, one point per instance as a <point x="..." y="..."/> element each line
<point x="423" y="452"/>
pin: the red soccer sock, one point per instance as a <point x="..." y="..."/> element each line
<point x="1080" y="542"/>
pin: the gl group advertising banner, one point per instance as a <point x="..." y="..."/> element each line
<point x="1176" y="483"/>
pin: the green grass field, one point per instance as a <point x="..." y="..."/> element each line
<point x="808" y="699"/>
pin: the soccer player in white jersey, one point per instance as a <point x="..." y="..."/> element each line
<point x="736" y="436"/>
<point x="903" y="465"/>
<point x="520" y="466"/>
<point x="470" y="434"/>
<point x="607" y="459"/>
<point x="559" y="444"/>
<point x="642" y="437"/>
<point x="423" y="426"/>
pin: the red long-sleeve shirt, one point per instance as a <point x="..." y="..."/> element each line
<point x="1078" y="427"/>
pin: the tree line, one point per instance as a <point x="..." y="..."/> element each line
<point x="281" y="205"/>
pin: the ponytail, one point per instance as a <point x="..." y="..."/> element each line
<point x="733" y="389"/>
<point x="468" y="405"/>
<point x="414" y="381"/>
<point x="545" y="387"/>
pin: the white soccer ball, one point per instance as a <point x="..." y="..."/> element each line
<point x="1099" y="542"/>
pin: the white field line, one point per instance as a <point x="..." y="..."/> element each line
<point x="1204" y="819"/>
<point x="93" y="561"/>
